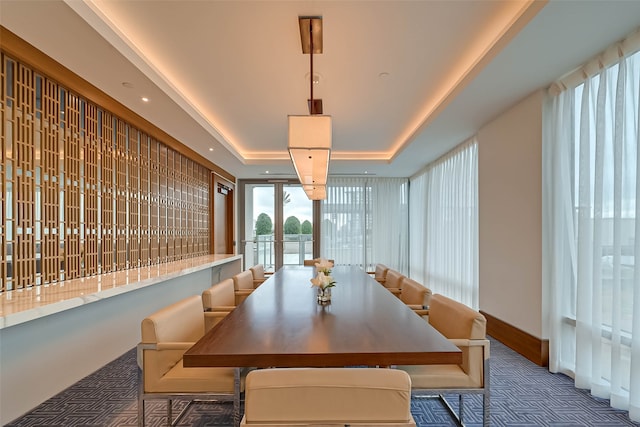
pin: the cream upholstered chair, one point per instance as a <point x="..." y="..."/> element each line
<point x="466" y="328"/>
<point x="166" y="335"/>
<point x="218" y="301"/>
<point x="393" y="282"/>
<point x="327" y="396"/>
<point x="380" y="273"/>
<point x="416" y="296"/>
<point x="259" y="275"/>
<point x="313" y="262"/>
<point x="243" y="285"/>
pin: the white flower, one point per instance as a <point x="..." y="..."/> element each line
<point x="323" y="281"/>
<point x="324" y="264"/>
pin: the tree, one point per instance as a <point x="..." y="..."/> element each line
<point x="264" y="225"/>
<point x="292" y="225"/>
<point x="306" y="227"/>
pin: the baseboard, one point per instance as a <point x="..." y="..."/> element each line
<point x="534" y="349"/>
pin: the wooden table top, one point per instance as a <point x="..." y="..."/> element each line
<point x="281" y="324"/>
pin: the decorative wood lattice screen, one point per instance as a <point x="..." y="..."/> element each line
<point x="83" y="192"/>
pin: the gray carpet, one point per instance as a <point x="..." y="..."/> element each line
<point x="522" y="394"/>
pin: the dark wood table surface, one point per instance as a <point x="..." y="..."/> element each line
<point x="281" y="324"/>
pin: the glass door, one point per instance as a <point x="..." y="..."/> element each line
<point x="297" y="225"/>
<point x="277" y="224"/>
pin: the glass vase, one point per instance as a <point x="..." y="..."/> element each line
<point x="324" y="295"/>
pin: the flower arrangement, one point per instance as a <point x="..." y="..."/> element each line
<point x="323" y="281"/>
<point x="324" y="266"/>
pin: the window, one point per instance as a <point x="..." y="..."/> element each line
<point x="590" y="221"/>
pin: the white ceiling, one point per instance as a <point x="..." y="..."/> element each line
<point x="405" y="81"/>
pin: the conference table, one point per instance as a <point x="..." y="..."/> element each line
<point x="281" y="324"/>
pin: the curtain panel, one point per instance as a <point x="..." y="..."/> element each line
<point x="444" y="225"/>
<point x="365" y="222"/>
<point x="590" y="222"/>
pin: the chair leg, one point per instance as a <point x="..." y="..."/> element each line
<point x="140" y="412"/>
<point x="460" y="409"/>
<point x="169" y="412"/>
<point x="140" y="398"/>
<point x="486" y="404"/>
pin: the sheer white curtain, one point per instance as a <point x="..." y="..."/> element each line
<point x="365" y="221"/>
<point x="590" y="221"/>
<point x="444" y="225"/>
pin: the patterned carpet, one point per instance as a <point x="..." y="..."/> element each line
<point x="522" y="394"/>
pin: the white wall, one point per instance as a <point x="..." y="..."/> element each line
<point x="510" y="216"/>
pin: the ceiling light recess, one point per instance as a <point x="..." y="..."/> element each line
<point x="310" y="136"/>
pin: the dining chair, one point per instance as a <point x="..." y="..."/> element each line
<point x="393" y="282"/>
<point x="466" y="328"/>
<point x="380" y="273"/>
<point x="313" y="262"/>
<point x="259" y="275"/>
<point x="218" y="301"/>
<point x="166" y="335"/>
<point x="243" y="285"/>
<point x="327" y="397"/>
<point x="415" y="296"/>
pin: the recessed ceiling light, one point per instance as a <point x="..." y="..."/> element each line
<point x="383" y="75"/>
<point x="266" y="171"/>
<point x="145" y="99"/>
<point x="128" y="85"/>
<point x="211" y="149"/>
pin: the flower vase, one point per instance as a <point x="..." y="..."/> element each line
<point x="324" y="295"/>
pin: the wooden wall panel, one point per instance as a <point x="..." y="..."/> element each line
<point x="190" y="206"/>
<point x="90" y="182"/>
<point x="4" y="64"/>
<point x="162" y="203"/>
<point x="184" y="170"/>
<point x="133" y="197"/>
<point x="107" y="194"/>
<point x="120" y="142"/>
<point x="203" y="209"/>
<point x="23" y="201"/>
<point x="154" y="202"/>
<point x="144" y="200"/>
<point x="170" y="215"/>
<point x="50" y="187"/>
<point x="83" y="192"/>
<point x="70" y="132"/>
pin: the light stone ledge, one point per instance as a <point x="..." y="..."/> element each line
<point x="23" y="305"/>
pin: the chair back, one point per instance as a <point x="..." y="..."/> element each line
<point x="243" y="280"/>
<point x="219" y="296"/>
<point x="455" y="320"/>
<point x="169" y="329"/>
<point x="393" y="279"/>
<point x="381" y="272"/>
<point x="323" y="396"/>
<point x="414" y="294"/>
<point x="182" y="321"/>
<point x="257" y="271"/>
<point x="313" y="262"/>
